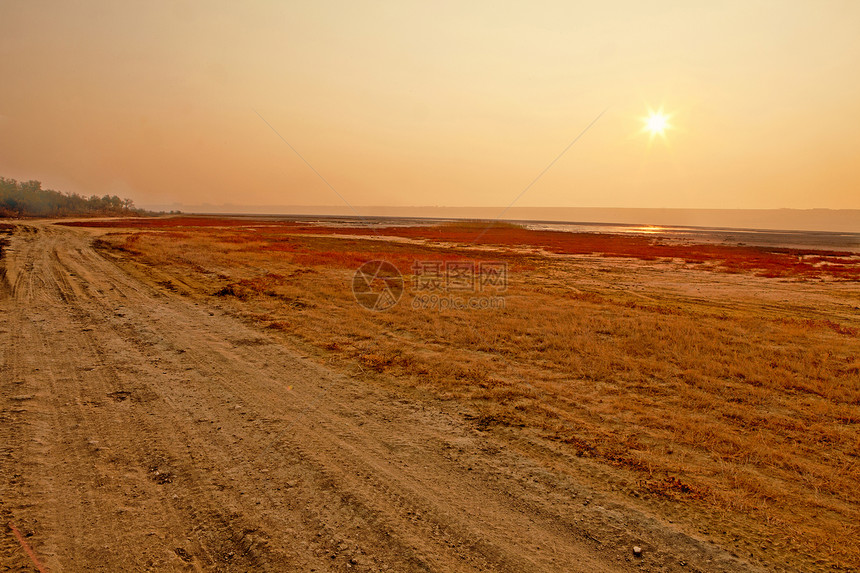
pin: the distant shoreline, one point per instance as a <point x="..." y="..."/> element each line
<point x="813" y="242"/>
<point x="822" y="220"/>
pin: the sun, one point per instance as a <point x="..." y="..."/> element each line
<point x="656" y="123"/>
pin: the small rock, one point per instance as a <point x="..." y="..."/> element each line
<point x="637" y="551"/>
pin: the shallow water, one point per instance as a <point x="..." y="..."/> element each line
<point x="818" y="240"/>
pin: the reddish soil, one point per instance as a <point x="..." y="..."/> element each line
<point x="763" y="261"/>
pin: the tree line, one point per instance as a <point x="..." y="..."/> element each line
<point x="28" y="199"/>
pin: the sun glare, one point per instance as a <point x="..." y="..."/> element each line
<point x="656" y="123"/>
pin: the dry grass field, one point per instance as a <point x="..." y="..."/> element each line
<point x="717" y="387"/>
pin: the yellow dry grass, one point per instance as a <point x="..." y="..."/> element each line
<point x="730" y="403"/>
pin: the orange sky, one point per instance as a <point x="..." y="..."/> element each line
<point x="435" y="103"/>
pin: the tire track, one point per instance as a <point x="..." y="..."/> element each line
<point x="146" y="443"/>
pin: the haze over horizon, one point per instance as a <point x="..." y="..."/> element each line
<point x="406" y="103"/>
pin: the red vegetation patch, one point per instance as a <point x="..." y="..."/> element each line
<point x="767" y="262"/>
<point x="818" y="324"/>
<point x="403" y="260"/>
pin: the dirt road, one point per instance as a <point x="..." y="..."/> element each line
<point x="143" y="431"/>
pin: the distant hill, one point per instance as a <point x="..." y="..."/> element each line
<point x="28" y="199"/>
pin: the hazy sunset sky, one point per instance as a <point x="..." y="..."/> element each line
<point x="435" y="103"/>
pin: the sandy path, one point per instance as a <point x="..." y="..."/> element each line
<point x="140" y="431"/>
